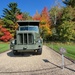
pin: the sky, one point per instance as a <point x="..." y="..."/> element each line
<point x="30" y="6"/>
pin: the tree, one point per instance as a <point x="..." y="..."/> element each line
<point x="66" y="29"/>
<point x="45" y="18"/>
<point x="56" y="15"/>
<point x="19" y="16"/>
<point x="9" y="17"/>
<point x="10" y="12"/>
<point x="37" y="16"/>
<point x="69" y="2"/>
<point x="23" y="16"/>
<point x="1" y="22"/>
<point x="45" y="24"/>
<point x="26" y="16"/>
<point x="4" y="34"/>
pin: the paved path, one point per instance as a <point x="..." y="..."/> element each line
<point x="46" y="64"/>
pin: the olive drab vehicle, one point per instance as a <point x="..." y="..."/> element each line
<point x="27" y="38"/>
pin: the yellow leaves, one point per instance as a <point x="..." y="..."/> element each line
<point x="1" y="22"/>
<point x="16" y="26"/>
<point x="45" y="23"/>
<point x="45" y="27"/>
<point x="46" y="30"/>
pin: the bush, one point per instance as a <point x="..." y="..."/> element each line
<point x="4" y="34"/>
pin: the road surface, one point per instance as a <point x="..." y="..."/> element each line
<point x="49" y="63"/>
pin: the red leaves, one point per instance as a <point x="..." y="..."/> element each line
<point x="45" y="24"/>
<point x="45" y="15"/>
<point x="0" y="27"/>
<point x="7" y="36"/>
<point x="19" y="16"/>
<point x="3" y="30"/>
<point x="45" y="10"/>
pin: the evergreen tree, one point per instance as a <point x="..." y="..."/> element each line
<point x="69" y="2"/>
<point x="9" y="16"/>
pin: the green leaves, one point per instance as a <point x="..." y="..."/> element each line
<point x="26" y="16"/>
<point x="65" y="23"/>
<point x="11" y="12"/>
<point x="68" y="14"/>
<point x="9" y="16"/>
<point x="66" y="31"/>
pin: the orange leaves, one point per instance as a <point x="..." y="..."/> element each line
<point x="45" y="16"/>
<point x="37" y="16"/>
<point x="16" y="26"/>
<point x="45" y="24"/>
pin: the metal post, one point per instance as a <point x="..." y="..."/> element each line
<point x="62" y="61"/>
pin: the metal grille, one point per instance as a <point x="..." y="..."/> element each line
<point x="20" y="39"/>
<point x="30" y="38"/>
<point x="25" y="38"/>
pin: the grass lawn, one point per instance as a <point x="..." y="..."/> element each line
<point x="4" y="47"/>
<point x="70" y="48"/>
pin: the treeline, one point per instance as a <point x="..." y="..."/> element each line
<point x="56" y="24"/>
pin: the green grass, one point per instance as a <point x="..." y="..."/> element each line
<point x="70" y="48"/>
<point x="4" y="47"/>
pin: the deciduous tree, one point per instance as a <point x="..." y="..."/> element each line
<point x="4" y="34"/>
<point x="37" y="16"/>
<point x="45" y="24"/>
<point x="26" y="16"/>
<point x="66" y="30"/>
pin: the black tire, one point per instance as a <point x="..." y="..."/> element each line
<point x="39" y="51"/>
<point x="15" y="52"/>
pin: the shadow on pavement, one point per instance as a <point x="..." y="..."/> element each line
<point x="19" y="55"/>
<point x="47" y="61"/>
<point x="70" y="69"/>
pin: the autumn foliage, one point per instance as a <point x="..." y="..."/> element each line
<point x="37" y="16"/>
<point x="56" y="23"/>
<point x="19" y="16"/>
<point x="4" y="34"/>
<point x="45" y="18"/>
<point x="45" y="23"/>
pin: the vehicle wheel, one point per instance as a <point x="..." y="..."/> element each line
<point x="15" y="52"/>
<point x="39" y="51"/>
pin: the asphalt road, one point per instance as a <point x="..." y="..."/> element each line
<point x="49" y="63"/>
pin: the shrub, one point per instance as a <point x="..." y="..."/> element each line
<point x="4" y="34"/>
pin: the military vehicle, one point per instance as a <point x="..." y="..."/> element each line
<point x="27" y="38"/>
